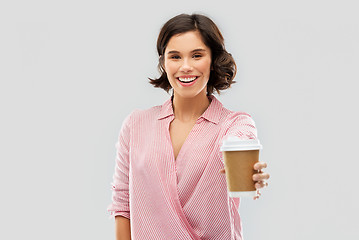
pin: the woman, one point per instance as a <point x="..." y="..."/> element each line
<point x="167" y="178"/>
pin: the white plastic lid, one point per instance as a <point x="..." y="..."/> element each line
<point x="233" y="143"/>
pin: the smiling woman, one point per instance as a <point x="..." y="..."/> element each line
<point x="222" y="66"/>
<point x="187" y="63"/>
<point x="167" y="182"/>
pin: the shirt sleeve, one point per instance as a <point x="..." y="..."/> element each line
<point x="241" y="125"/>
<point x="120" y="184"/>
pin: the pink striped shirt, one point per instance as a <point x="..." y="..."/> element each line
<point x="184" y="198"/>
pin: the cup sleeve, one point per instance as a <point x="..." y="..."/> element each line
<point x="120" y="183"/>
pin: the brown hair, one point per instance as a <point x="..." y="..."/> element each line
<point x="223" y="65"/>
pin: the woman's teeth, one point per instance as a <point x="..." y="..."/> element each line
<point x="186" y="80"/>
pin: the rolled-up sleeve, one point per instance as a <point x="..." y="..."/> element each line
<point x="120" y="185"/>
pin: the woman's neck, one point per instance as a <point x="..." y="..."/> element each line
<point x="189" y="109"/>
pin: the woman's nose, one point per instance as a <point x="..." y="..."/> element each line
<point x="186" y="66"/>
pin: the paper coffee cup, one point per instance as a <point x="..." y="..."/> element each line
<point x="239" y="156"/>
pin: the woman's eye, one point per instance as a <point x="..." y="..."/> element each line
<point x="175" y="57"/>
<point x="197" y="55"/>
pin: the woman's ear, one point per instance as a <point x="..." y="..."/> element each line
<point x="162" y="63"/>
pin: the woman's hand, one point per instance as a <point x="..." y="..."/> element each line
<point x="259" y="178"/>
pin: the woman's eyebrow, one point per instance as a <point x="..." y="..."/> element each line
<point x="195" y="50"/>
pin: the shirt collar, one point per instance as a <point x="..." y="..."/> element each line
<point x="212" y="113"/>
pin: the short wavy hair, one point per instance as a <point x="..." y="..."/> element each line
<point x="223" y="66"/>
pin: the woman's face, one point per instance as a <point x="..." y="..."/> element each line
<point x="187" y="62"/>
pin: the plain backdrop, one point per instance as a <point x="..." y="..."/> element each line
<point x="71" y="71"/>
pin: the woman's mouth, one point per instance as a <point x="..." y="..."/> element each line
<point x="188" y="81"/>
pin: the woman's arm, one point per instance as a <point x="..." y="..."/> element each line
<point x="123" y="229"/>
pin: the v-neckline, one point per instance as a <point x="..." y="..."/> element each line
<point x="184" y="142"/>
<point x="189" y="133"/>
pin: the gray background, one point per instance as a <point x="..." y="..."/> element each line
<point x="71" y="71"/>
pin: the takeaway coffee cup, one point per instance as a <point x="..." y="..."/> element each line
<point x="239" y="156"/>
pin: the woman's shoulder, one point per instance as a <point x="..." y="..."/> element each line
<point x="239" y="123"/>
<point x="140" y="114"/>
<point x="231" y="116"/>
